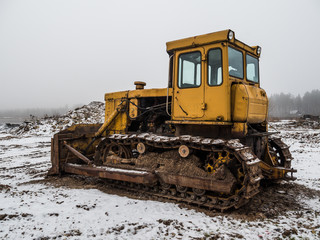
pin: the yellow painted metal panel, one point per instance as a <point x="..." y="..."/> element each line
<point x="240" y="102"/>
<point x="249" y="104"/>
<point x="112" y="101"/>
<point x="258" y="107"/>
<point x="217" y="98"/>
<point x="116" y="95"/>
<point x="205" y="39"/>
<point x="188" y="103"/>
<point x="198" y="40"/>
<point x="155" y="92"/>
<point x="200" y="122"/>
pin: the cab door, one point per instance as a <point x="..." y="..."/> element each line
<point x="188" y="94"/>
<point x="217" y="92"/>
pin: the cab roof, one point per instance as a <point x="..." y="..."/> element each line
<point x="205" y="39"/>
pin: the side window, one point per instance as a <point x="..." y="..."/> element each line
<point x="189" y="70"/>
<point x="252" y="69"/>
<point x="215" y="67"/>
<point x="235" y="63"/>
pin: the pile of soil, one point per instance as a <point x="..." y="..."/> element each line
<point x="90" y="113"/>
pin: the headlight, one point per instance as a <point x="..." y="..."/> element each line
<point x="258" y="50"/>
<point x="230" y="35"/>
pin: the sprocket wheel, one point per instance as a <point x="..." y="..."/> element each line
<point x="107" y="150"/>
<point x="277" y="156"/>
<point x="217" y="159"/>
<point x="116" y="149"/>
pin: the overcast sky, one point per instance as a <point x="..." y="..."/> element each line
<point x="66" y="52"/>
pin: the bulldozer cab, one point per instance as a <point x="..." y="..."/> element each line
<point x="204" y="69"/>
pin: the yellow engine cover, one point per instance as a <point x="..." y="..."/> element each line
<point x="249" y="104"/>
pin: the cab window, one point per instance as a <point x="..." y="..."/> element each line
<point x="215" y="67"/>
<point x="252" y="69"/>
<point x="189" y="70"/>
<point x="235" y="63"/>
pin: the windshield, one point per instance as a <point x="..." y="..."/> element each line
<point x="252" y="69"/>
<point x="235" y="63"/>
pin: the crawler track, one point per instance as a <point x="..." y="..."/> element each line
<point x="224" y="154"/>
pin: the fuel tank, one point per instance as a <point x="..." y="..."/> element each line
<point x="249" y="104"/>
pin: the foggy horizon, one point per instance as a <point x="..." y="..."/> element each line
<point x="66" y="53"/>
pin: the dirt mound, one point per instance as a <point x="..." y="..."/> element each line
<point x="48" y="125"/>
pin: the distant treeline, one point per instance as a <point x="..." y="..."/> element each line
<point x="286" y="105"/>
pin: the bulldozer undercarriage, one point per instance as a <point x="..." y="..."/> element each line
<point x="216" y="174"/>
<point x="207" y="172"/>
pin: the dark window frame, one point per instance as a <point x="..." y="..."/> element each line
<point x="182" y="66"/>
<point x="221" y="67"/>
<point x="243" y="70"/>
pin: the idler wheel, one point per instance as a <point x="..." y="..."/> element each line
<point x="115" y="149"/>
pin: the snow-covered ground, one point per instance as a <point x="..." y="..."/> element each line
<point x="33" y="207"/>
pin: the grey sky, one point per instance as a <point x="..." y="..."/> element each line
<point x="57" y="53"/>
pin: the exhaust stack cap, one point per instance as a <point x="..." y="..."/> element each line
<point x="139" y="85"/>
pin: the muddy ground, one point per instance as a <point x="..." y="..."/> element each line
<point x="34" y="206"/>
<point x="274" y="199"/>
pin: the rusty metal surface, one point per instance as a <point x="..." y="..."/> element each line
<point x="55" y="165"/>
<point x="112" y="173"/>
<point x="53" y="170"/>
<point x="281" y="170"/>
<point x="76" y="136"/>
<point x="197" y="182"/>
<point x="77" y="153"/>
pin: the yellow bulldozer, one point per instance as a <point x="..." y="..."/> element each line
<point x="203" y="140"/>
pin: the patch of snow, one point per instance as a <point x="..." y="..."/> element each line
<point x="39" y="210"/>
